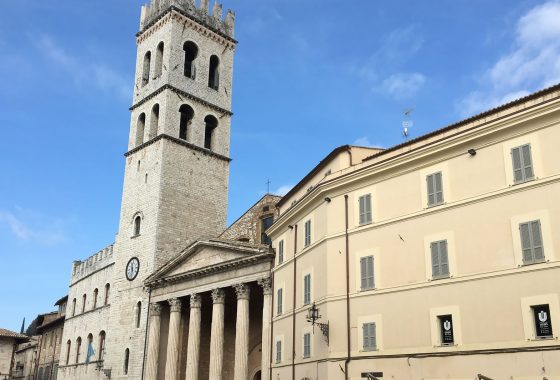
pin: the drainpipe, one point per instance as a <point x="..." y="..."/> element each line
<point x="146" y="333"/>
<point x="294" y="310"/>
<point x="271" y="326"/>
<point x="347" y="245"/>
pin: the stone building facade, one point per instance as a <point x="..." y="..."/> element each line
<point x="25" y="359"/>
<point x="8" y="344"/>
<point x="50" y="327"/>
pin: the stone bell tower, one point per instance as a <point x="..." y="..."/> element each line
<point x="177" y="164"/>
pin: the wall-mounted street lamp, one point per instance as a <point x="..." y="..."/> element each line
<point x="312" y="317"/>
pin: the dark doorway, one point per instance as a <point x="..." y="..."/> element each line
<point x="257" y="376"/>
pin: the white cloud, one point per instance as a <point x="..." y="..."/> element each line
<point x="50" y="235"/>
<point x="403" y="85"/>
<point x="85" y="73"/>
<point x="364" y="141"/>
<point x="282" y="190"/>
<point x="532" y="63"/>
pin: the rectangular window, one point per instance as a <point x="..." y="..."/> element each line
<point x="280" y="251"/>
<point x="265" y="224"/>
<point x="307" y="289"/>
<point x="278" y="351"/>
<point x="446" y="329"/>
<point x="543" y="325"/>
<point x="279" y="301"/>
<point x="365" y="209"/>
<point x="366" y="269"/>
<point x="306" y="345"/>
<point x="522" y="163"/>
<point x="440" y="262"/>
<point x="435" y="189"/>
<point x="369" y="336"/>
<point x="307" y="239"/>
<point x="531" y="242"/>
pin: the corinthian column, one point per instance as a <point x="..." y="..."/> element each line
<point x="193" y="348"/>
<point x="266" y="316"/>
<point x="242" y="333"/>
<point x="173" y="349"/>
<point x="153" y="341"/>
<point x="217" y="335"/>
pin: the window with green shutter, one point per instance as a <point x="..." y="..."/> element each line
<point x="307" y="289"/>
<point x="522" y="163"/>
<point x="366" y="273"/>
<point x="364" y="203"/>
<point x="531" y="242"/>
<point x="440" y="261"/>
<point x="369" y="336"/>
<point x="435" y="189"/>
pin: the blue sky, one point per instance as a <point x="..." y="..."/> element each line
<point x="309" y="76"/>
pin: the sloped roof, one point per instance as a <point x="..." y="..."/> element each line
<point x="4" y="333"/>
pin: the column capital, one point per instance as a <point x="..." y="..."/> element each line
<point x="266" y="284"/>
<point x="195" y="300"/>
<point x="175" y="304"/>
<point x="155" y="309"/>
<point x="218" y="296"/>
<point x="242" y="291"/>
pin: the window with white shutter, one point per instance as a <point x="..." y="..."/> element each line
<point x="366" y="273"/>
<point x="364" y="203"/>
<point x="307" y="239"/>
<point x="307" y="289"/>
<point x="279" y="294"/>
<point x="435" y="189"/>
<point x="531" y="242"/>
<point x="522" y="163"/>
<point x="369" y="336"/>
<point x="280" y="251"/>
<point x="440" y="261"/>
<point x="306" y="345"/>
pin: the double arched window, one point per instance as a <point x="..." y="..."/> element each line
<point x="210" y="125"/>
<point x="191" y="52"/>
<point x="214" y="73"/>
<point x="187" y="114"/>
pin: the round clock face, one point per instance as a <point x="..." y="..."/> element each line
<point x="132" y="268"/>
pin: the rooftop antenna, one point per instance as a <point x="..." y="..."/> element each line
<point x="407" y="123"/>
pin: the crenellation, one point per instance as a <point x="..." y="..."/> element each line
<point x="99" y="260"/>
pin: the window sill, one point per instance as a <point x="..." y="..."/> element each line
<point x="367" y="289"/>
<point x="365" y="224"/>
<point x="369" y="349"/>
<point x="534" y="263"/>
<point x="541" y="338"/>
<point x="435" y="205"/>
<point x="440" y="277"/>
<point x="523" y="181"/>
<point x="135" y="236"/>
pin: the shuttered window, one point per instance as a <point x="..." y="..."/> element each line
<point x="307" y="239"/>
<point x="366" y="273"/>
<point x="531" y="242"/>
<point x="280" y="251"/>
<point x="278" y="351"/>
<point x="369" y="336"/>
<point x="306" y="345"/>
<point x="522" y="163"/>
<point x="365" y="209"/>
<point x="435" y="189"/>
<point x="279" y="301"/>
<point x="440" y="261"/>
<point x="307" y="289"/>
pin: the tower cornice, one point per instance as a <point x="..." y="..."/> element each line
<point x="181" y="94"/>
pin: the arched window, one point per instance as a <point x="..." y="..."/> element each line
<point x="78" y="348"/>
<point x="146" y="68"/>
<point x="95" y="293"/>
<point x="68" y="348"/>
<point x="140" y="129"/>
<point x="187" y="114"/>
<point x="101" y="348"/>
<point x="154" y="122"/>
<point x="211" y="123"/>
<point x="214" y="74"/>
<point x="126" y="357"/>
<point x="191" y="51"/>
<point x="73" y="307"/>
<point x="138" y="313"/>
<point x="107" y="288"/>
<point x="137" y="225"/>
<point x="159" y="60"/>
<point x="89" y="348"/>
<point x="84" y="299"/>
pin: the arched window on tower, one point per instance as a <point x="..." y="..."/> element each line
<point x="191" y="52"/>
<point x="140" y="125"/>
<point x="84" y="299"/>
<point x="210" y="125"/>
<point x="138" y="313"/>
<point x="107" y="289"/>
<point x="126" y="357"/>
<point x="146" y="68"/>
<point x="73" y="307"/>
<point x="159" y="60"/>
<point x="101" y="348"/>
<point x="89" y="348"/>
<point x="137" y="225"/>
<point x="68" y="348"/>
<point x="214" y="74"/>
<point x="187" y="114"/>
<point x="78" y="348"/>
<point x="154" y="122"/>
<point x="95" y="294"/>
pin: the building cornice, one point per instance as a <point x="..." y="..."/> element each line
<point x="180" y="93"/>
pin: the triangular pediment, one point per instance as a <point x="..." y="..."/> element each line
<point x="207" y="256"/>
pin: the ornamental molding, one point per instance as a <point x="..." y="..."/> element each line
<point x="218" y="296"/>
<point x="175" y="304"/>
<point x="242" y="291"/>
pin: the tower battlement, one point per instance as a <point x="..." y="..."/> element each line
<point x="213" y="20"/>
<point x="101" y="259"/>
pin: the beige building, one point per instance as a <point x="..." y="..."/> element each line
<point x="25" y="359"/>
<point x="8" y="344"/>
<point x="433" y="259"/>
